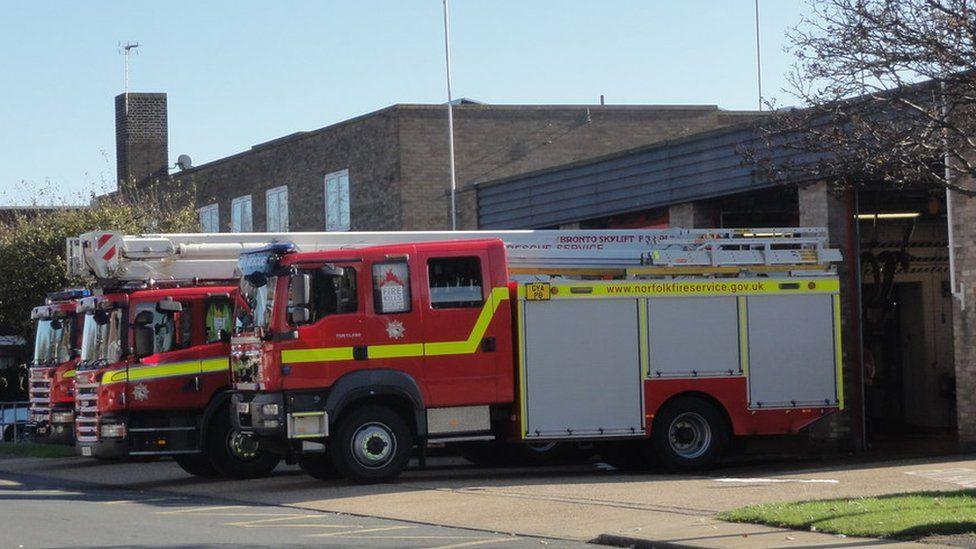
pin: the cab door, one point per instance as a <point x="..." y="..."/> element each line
<point x="214" y="316"/>
<point x="393" y="322"/>
<point x="169" y="377"/>
<point x="330" y="337"/>
<point x="460" y="346"/>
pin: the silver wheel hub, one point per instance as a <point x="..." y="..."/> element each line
<point x="689" y="435"/>
<point x="243" y="446"/>
<point x="373" y="445"/>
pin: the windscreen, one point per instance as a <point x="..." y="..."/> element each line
<point x="257" y="290"/>
<point x="102" y="337"/>
<point x="52" y="343"/>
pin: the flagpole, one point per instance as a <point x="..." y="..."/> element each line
<point x="450" y="116"/>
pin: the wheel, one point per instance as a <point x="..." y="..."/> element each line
<point x="197" y="465"/>
<point x="689" y="434"/>
<point x="372" y="444"/>
<point x="236" y="454"/>
<point x="318" y="465"/>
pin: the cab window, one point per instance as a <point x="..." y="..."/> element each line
<point x="171" y="331"/>
<point x="217" y="319"/>
<point x="391" y="287"/>
<point x="332" y="292"/>
<point x="455" y="282"/>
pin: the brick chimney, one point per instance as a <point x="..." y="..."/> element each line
<point x="141" y="138"/>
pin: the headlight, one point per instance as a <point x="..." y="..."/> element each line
<point x="113" y="430"/>
<point x="63" y="417"/>
<point x="269" y="409"/>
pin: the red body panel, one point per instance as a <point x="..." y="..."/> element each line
<point x="731" y="394"/>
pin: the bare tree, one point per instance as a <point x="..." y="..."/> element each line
<point x="887" y="90"/>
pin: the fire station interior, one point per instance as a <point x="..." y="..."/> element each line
<point x="909" y="372"/>
<point x="909" y="375"/>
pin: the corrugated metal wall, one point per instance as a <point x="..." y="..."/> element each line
<point x="695" y="168"/>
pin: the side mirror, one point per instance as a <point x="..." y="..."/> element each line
<point x="144" y="318"/>
<point x="100" y="317"/>
<point x="301" y="289"/>
<point x="257" y="279"/>
<point x="299" y="315"/>
<point x="169" y="306"/>
<point x="143" y="341"/>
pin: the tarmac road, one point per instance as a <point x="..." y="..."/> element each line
<point x="47" y="512"/>
<point x="470" y="505"/>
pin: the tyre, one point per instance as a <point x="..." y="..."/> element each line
<point x="689" y="434"/>
<point x="197" y="465"/>
<point x="318" y="465"/>
<point x="372" y="444"/>
<point x="235" y="454"/>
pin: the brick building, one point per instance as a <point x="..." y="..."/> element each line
<point x="388" y="170"/>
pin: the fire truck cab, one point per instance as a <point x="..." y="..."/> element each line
<point x="57" y="341"/>
<point x="349" y="357"/>
<point x="153" y="380"/>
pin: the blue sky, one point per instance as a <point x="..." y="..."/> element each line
<point x="240" y="73"/>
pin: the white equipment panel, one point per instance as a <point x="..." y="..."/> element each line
<point x="792" y="351"/>
<point x="582" y="368"/>
<point x="693" y="336"/>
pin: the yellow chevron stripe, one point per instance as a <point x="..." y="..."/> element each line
<point x="172" y="369"/>
<point x="404" y="350"/>
<point x="69" y="374"/>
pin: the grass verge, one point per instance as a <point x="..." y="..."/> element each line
<point x="31" y="449"/>
<point x="898" y="516"/>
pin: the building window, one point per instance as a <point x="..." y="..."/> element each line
<point x="337" y="201"/>
<point x="240" y="214"/>
<point x="276" y="209"/>
<point x="209" y="218"/>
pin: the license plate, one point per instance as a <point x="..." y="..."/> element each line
<point x="243" y="407"/>
<point x="86" y="451"/>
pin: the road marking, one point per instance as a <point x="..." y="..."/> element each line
<point x="960" y="476"/>
<point x="4" y="482"/>
<point x="199" y="509"/>
<point x="121" y="501"/>
<point x="471" y="543"/>
<point x="778" y="480"/>
<point x="356" y="532"/>
<point x="265" y="523"/>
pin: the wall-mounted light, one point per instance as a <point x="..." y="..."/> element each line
<point x="897" y="215"/>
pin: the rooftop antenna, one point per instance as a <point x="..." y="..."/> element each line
<point x="126" y="48"/>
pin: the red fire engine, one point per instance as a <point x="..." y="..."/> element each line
<point x="153" y="374"/>
<point x="351" y="349"/>
<point x="51" y="380"/>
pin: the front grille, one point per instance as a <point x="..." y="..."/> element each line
<point x="86" y="407"/>
<point x="39" y="392"/>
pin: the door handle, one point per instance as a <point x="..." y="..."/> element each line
<point x="488" y="345"/>
<point x="192" y="385"/>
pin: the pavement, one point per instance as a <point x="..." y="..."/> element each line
<point x="584" y="503"/>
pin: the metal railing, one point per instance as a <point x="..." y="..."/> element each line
<point x="13" y="421"/>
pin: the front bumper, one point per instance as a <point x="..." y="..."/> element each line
<point x="109" y="448"/>
<point x="247" y="414"/>
<point x="281" y="419"/>
<point x="54" y="433"/>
